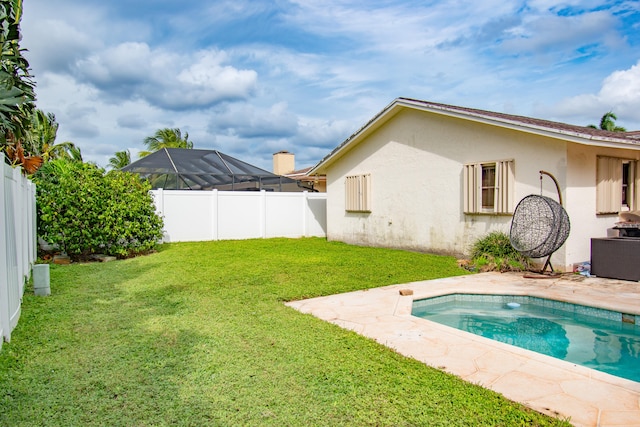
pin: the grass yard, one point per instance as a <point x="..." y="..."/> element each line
<point x="198" y="335"/>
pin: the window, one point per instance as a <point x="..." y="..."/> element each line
<point x="616" y="185"/>
<point x="488" y="187"/>
<point x="358" y="193"/>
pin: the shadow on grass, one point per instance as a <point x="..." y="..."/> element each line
<point x="197" y="335"/>
<point x="90" y="353"/>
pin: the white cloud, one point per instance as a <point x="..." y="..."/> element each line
<point x="550" y="32"/>
<point x="280" y="61"/>
<point x="247" y="121"/>
<point x="126" y="63"/>
<point x="620" y="93"/>
<point x="396" y="27"/>
<point x="65" y="97"/>
<point x="555" y="4"/>
<point x="55" y="45"/>
<point x="623" y="87"/>
<point x="174" y="81"/>
<point x="114" y="72"/>
<point x="325" y="133"/>
<point x="133" y="121"/>
<point x="83" y="129"/>
<point x="207" y="81"/>
<point x="328" y="75"/>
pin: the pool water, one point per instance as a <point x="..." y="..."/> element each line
<point x="598" y="339"/>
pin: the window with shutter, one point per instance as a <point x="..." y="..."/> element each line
<point x="488" y="187"/>
<point x="616" y="185"/>
<point x="358" y="193"/>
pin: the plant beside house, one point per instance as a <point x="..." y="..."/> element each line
<point x="82" y="211"/>
<point x="494" y="252"/>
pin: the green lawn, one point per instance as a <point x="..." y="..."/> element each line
<point x="198" y="335"/>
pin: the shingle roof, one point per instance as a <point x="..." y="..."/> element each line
<point x="299" y="172"/>
<point x="303" y="175"/>
<point x="529" y="121"/>
<point x="634" y="134"/>
<point x="581" y="134"/>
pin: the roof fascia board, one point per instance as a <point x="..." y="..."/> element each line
<point x="400" y="103"/>
<point x="373" y="124"/>
<point x="565" y="135"/>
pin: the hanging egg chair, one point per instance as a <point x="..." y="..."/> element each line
<point x="540" y="225"/>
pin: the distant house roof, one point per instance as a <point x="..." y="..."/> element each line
<point x="300" y="174"/>
<point x="579" y="134"/>
<point x="178" y="168"/>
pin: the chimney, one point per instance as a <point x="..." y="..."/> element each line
<point x="283" y="163"/>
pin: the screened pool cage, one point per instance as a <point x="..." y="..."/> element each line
<point x="187" y="169"/>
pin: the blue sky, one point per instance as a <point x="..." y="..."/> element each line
<point x="252" y="77"/>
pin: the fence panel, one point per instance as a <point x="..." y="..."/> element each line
<point x="17" y="244"/>
<point x="240" y="215"/>
<point x="316" y="214"/>
<point x="284" y="215"/>
<point x="186" y="214"/>
<point x="229" y="215"/>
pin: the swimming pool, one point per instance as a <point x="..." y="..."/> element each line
<point x="600" y="339"/>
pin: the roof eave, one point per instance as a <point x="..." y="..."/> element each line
<point x="399" y="103"/>
<point x="377" y="120"/>
<point x="578" y="137"/>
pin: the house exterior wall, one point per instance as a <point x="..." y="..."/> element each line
<point x="416" y="164"/>
<point x="581" y="198"/>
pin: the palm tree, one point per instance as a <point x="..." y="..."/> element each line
<point x="607" y="122"/>
<point x="166" y="138"/>
<point x="42" y="139"/>
<point x="39" y="144"/>
<point x="43" y="129"/>
<point x="120" y="159"/>
<point x="73" y="152"/>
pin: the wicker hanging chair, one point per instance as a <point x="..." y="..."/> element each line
<point x="540" y="226"/>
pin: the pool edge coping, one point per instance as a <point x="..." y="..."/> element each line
<point x="375" y="312"/>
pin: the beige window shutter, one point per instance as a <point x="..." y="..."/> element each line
<point x="608" y="185"/>
<point x="357" y="193"/>
<point x="504" y="186"/>
<point x="367" y="192"/>
<point x="472" y="188"/>
<point x="350" y="191"/>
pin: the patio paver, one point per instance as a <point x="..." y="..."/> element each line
<point x="589" y="398"/>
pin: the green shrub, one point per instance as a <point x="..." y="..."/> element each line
<point x="84" y="211"/>
<point x="494" y="252"/>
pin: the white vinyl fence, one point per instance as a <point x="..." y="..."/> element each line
<point x="18" y="248"/>
<point x="227" y="215"/>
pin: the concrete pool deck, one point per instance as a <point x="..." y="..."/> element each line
<point x="548" y="385"/>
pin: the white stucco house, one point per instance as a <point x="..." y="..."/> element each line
<point x="435" y="177"/>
